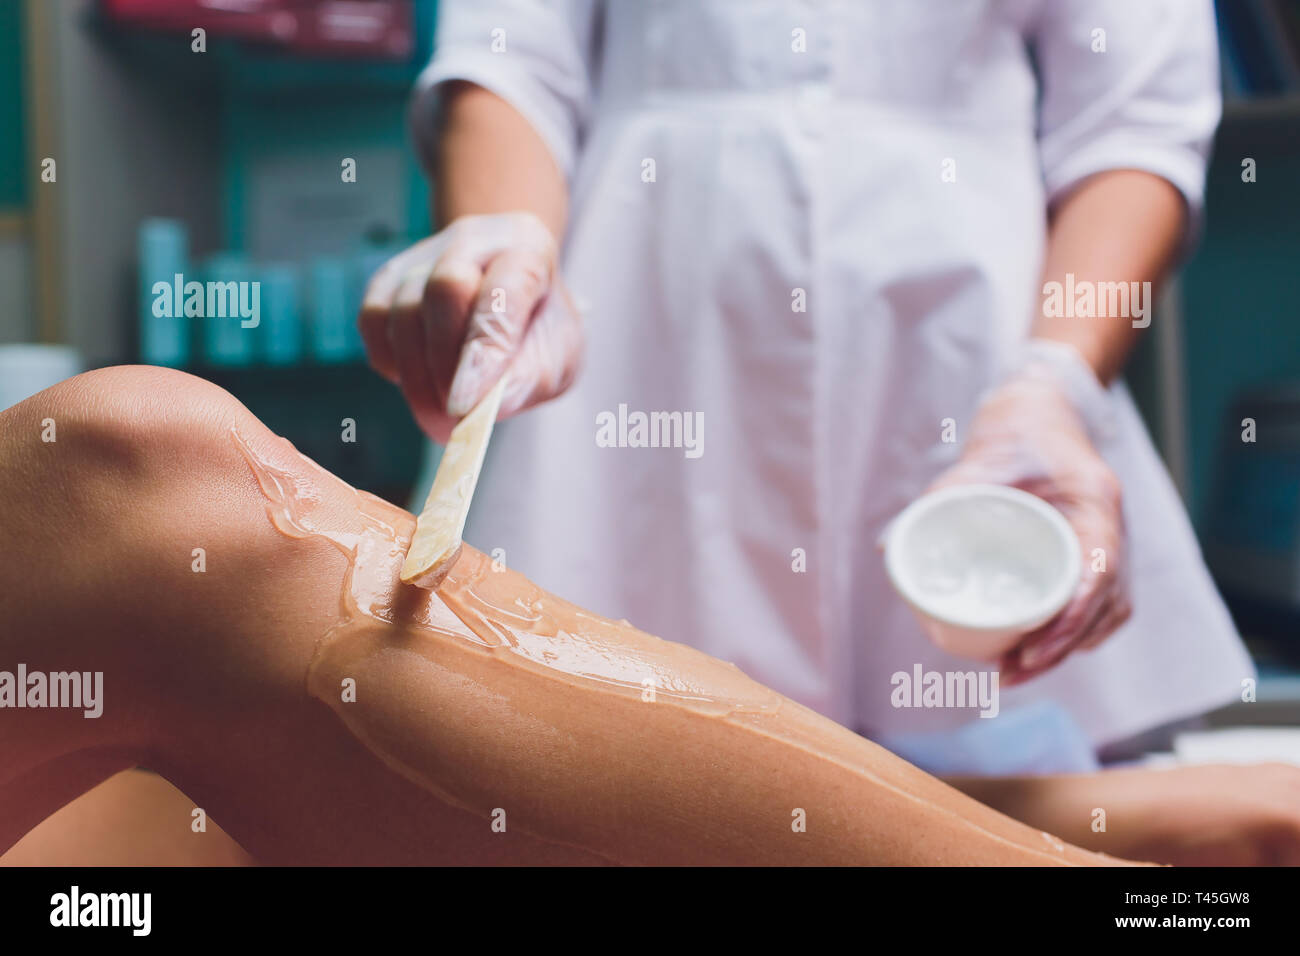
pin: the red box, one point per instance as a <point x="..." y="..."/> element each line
<point x="375" y="29"/>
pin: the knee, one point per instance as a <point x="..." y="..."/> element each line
<point x="126" y="420"/>
<point x="102" y="472"/>
<point x="110" y="481"/>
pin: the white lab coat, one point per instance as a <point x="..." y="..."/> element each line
<point x="780" y="173"/>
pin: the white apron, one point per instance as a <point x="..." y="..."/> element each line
<point x="781" y="173"/>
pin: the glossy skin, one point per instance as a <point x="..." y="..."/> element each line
<point x="487" y="695"/>
<point x="206" y="681"/>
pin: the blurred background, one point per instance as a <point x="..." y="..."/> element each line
<point x="226" y="166"/>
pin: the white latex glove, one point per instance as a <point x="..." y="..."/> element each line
<point x="446" y="318"/>
<point x="1032" y="432"/>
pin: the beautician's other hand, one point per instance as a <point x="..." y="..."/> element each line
<point x="447" y="317"/>
<point x="1028" y="433"/>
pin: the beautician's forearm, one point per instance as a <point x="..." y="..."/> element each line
<point x="489" y="159"/>
<point x="1039" y="801"/>
<point x="1118" y="226"/>
<point x="1187" y="816"/>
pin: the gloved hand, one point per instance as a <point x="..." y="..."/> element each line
<point x="447" y="317"/>
<point x="1031" y="432"/>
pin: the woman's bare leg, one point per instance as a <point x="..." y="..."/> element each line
<point x="134" y="818"/>
<point x="323" y="713"/>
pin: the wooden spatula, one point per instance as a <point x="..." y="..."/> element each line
<point x="440" y="525"/>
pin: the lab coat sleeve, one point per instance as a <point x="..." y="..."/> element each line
<point x="1150" y="101"/>
<point x="534" y="54"/>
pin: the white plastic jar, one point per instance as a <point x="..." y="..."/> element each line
<point x="982" y="565"/>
